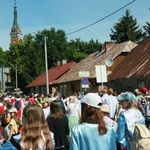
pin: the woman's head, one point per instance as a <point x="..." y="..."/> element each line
<point x="45" y="102"/>
<point x="126" y="100"/>
<point x="13" y="112"/>
<point x="91" y="112"/>
<point x="32" y="114"/>
<point x="72" y="99"/>
<point x="92" y="99"/>
<point x="34" y="126"/>
<point x="55" y="109"/>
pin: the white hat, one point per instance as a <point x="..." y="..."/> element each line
<point x="36" y="95"/>
<point x="13" y="109"/>
<point x="18" y="99"/>
<point x="92" y="99"/>
<point x="6" y="98"/>
<point x="105" y="108"/>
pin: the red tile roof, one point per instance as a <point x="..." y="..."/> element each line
<point x="135" y="64"/>
<point x="53" y="74"/>
<point x="96" y="58"/>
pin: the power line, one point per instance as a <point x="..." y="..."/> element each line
<point x="101" y="19"/>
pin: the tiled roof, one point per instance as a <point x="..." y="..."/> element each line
<point x="53" y="74"/>
<point x="96" y="58"/>
<point x="136" y="63"/>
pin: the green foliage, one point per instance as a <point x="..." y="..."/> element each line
<point x="29" y="55"/>
<point x="146" y="30"/>
<point x="126" y="29"/>
<point x="2" y="58"/>
<point x="78" y="49"/>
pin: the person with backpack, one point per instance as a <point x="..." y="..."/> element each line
<point x="57" y="97"/>
<point x="19" y="105"/>
<point x="147" y="114"/>
<point x="127" y="120"/>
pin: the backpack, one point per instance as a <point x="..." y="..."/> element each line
<point x="141" y="138"/>
<point x="17" y="105"/>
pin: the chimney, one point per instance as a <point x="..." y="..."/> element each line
<point x="58" y="63"/>
<point x="108" y="45"/>
<point x="64" y="61"/>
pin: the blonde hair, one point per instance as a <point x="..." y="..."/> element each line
<point x="72" y="99"/>
<point x="130" y="104"/>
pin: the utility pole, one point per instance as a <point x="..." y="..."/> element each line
<point x="2" y="73"/>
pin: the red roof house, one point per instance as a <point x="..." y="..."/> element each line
<point x="54" y="73"/>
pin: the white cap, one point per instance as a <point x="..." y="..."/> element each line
<point x="18" y="99"/>
<point x="92" y="99"/>
<point x="13" y="109"/>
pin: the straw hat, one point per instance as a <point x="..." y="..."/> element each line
<point x="147" y="96"/>
<point x="104" y="108"/>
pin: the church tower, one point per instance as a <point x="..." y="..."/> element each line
<point x="15" y="35"/>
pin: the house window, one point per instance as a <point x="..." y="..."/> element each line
<point x="61" y="90"/>
<point x="37" y="89"/>
<point x="65" y="89"/>
<point x="31" y="90"/>
<point x="141" y="83"/>
<point x="42" y="90"/>
<point x="118" y="87"/>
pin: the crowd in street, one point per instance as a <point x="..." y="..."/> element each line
<point x="89" y="121"/>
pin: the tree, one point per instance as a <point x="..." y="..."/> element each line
<point x="75" y="50"/>
<point x="56" y="45"/>
<point x="92" y="46"/>
<point x="79" y="49"/>
<point x="146" y="30"/>
<point x="126" y="29"/>
<point x="2" y="58"/>
<point x="27" y="59"/>
<point x="29" y="55"/>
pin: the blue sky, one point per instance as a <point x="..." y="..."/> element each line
<point x="69" y="15"/>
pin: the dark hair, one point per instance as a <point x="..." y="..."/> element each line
<point x="55" y="109"/>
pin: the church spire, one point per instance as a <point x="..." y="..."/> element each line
<point x="15" y="34"/>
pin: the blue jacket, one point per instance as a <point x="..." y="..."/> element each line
<point x="126" y="124"/>
<point x="85" y="136"/>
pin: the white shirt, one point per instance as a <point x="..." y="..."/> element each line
<point x="46" y="111"/>
<point x="112" y="102"/>
<point x="104" y="97"/>
<point x="73" y="109"/>
<point x="148" y="108"/>
<point x="41" y="142"/>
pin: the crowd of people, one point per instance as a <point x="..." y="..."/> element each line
<point x="92" y="121"/>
